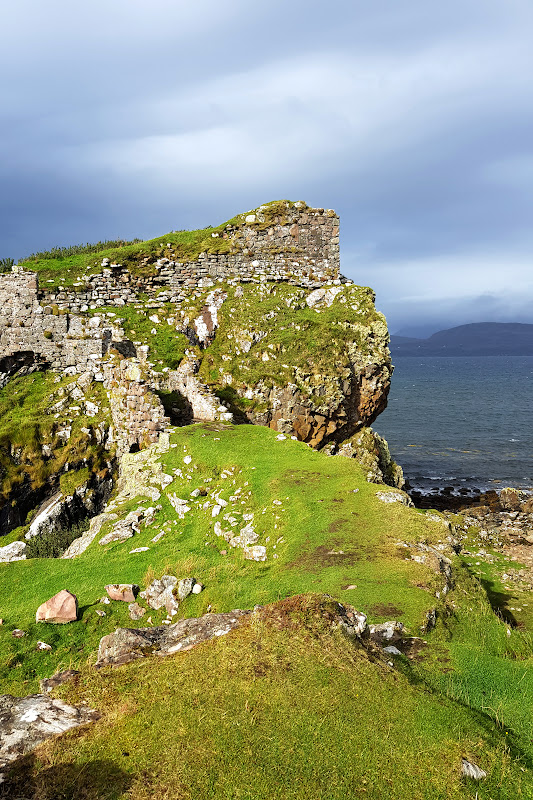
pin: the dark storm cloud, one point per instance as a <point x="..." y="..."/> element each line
<point x="412" y="120"/>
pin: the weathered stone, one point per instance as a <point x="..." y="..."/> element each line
<point x="25" y="722"/>
<point x="48" y="684"/>
<point x="127" y="644"/>
<point x="185" y="587"/>
<point x="59" y="609"/>
<point x="136" y="611"/>
<point x="469" y="770"/>
<point x="386" y="632"/>
<point x="394" y="497"/>
<point x="255" y="553"/>
<point x="160" y="594"/>
<point x="13" y="552"/>
<point x="127" y="592"/>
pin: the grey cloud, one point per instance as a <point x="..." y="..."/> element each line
<point x="413" y="120"/>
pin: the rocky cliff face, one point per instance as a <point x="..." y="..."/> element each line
<point x="310" y="364"/>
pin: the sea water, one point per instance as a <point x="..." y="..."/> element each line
<point x="461" y="422"/>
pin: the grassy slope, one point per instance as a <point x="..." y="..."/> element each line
<point x="275" y="709"/>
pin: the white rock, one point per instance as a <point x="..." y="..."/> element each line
<point x="43" y="646"/>
<point x="197" y="588"/>
<point x="469" y="770"/>
<point x="140" y="550"/>
<point x="392" y="651"/>
<point x="255" y="553"/>
<point x="12" y="552"/>
<point x="187" y="459"/>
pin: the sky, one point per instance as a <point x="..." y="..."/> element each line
<point x="412" y="119"/>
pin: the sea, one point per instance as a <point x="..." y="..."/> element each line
<point x="461" y="422"/>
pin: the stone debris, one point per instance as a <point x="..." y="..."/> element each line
<point x="131" y="524"/>
<point x="127" y="644"/>
<point x="391" y="650"/>
<point x="136" y="611"/>
<point x="185" y="587"/>
<point x="43" y="646"/>
<point x="127" y="592"/>
<point x="255" y="553"/>
<point x="160" y="594"/>
<point x="18" y="633"/>
<point x="139" y="550"/>
<point x="81" y="544"/>
<point x="386" y="632"/>
<point x="351" y="621"/>
<point x="197" y="588"/>
<point x="395" y="497"/>
<point x="25" y="722"/>
<point x="59" y="609"/>
<point x="469" y="770"/>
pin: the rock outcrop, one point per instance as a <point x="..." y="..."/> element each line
<point x="127" y="644"/>
<point x="25" y="722"/>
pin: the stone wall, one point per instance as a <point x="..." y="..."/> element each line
<point x="41" y="334"/>
<point x="301" y="247"/>
<point x="138" y="414"/>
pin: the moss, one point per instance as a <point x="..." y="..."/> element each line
<point x="60" y="269"/>
<point x="72" y="480"/>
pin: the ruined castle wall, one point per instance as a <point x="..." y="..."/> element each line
<point x="300" y="248"/>
<point x="28" y="327"/>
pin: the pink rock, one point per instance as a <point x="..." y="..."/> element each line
<point x="61" y="608"/>
<point x="122" y="591"/>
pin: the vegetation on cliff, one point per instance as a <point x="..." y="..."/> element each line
<point x="66" y="266"/>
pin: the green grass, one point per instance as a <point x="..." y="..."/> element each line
<point x="270" y="335"/>
<point x="67" y="266"/>
<point x="281" y="707"/>
<point x="167" y="346"/>
<point x="318" y="517"/>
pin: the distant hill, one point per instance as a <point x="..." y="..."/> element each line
<point x="475" y="339"/>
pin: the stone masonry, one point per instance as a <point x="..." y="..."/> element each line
<point x="302" y="248"/>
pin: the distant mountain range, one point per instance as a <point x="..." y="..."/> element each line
<point x="475" y="339"/>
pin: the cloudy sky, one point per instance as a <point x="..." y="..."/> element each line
<point x="412" y="119"/>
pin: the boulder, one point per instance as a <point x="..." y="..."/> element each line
<point x="13" y="552"/>
<point x="127" y="592"/>
<point x="59" y="609"/>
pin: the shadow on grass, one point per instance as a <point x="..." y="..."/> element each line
<point x="94" y="780"/>
<point x="499" y="601"/>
